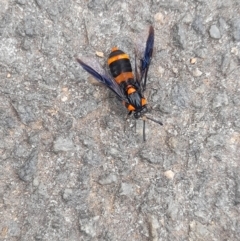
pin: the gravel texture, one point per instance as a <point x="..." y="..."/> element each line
<point x="72" y="168"/>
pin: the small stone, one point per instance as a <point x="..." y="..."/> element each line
<point x="236" y="29"/>
<point x="225" y="63"/>
<point x="64" y="98"/>
<point x="65" y="89"/>
<point x="201" y="215"/>
<point x="234" y="51"/>
<point x="179" y="38"/>
<point x="220" y="100"/>
<point x="108" y="179"/>
<point x="4" y="231"/>
<point x="88" y="225"/>
<point x="201" y="52"/>
<point x="126" y="189"/>
<point x="114" y="151"/>
<point x="173" y="143"/>
<point x="40" y="3"/>
<point x="161" y="70"/>
<point x="222" y="25"/>
<point x="26" y="44"/>
<point x="26" y="113"/>
<point x="67" y="194"/>
<point x="100" y="54"/>
<point x="65" y="94"/>
<point x="35" y="182"/>
<point x="237" y="192"/>
<point x="214" y="32"/>
<point x="180" y="96"/>
<point x="8" y="75"/>
<point x="56" y="224"/>
<point x="198" y="25"/>
<point x="188" y="18"/>
<point x="169" y="174"/>
<point x="175" y="70"/>
<point x="200" y="89"/>
<point x="200" y="230"/>
<point x="42" y="190"/>
<point x="193" y="60"/>
<point x="29" y="168"/>
<point x="206" y="82"/>
<point x="159" y="18"/>
<point x="21" y="2"/>
<point x="63" y="144"/>
<point x="96" y="5"/>
<point x="14" y="229"/>
<point x="153" y="227"/>
<point x="172" y="210"/>
<point x="30" y="26"/>
<point x="197" y="72"/>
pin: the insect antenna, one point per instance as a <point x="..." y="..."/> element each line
<point x="144" y="134"/>
<point x="144" y="118"/>
<point x="156" y="121"/>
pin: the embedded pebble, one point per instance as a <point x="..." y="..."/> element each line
<point x="29" y="168"/>
<point x="21" y="2"/>
<point x="201" y="52"/>
<point x="126" y="189"/>
<point x="88" y="226"/>
<point x="188" y="18"/>
<point x="214" y="32"/>
<point x="100" y="54"/>
<point x="193" y="60"/>
<point x="64" y="98"/>
<point x="169" y="174"/>
<point x="179" y="37"/>
<point x="236" y="29"/>
<point x="161" y="70"/>
<point x="175" y="70"/>
<point x="225" y="63"/>
<point x="198" y="25"/>
<point x="196" y="72"/>
<point x="223" y="25"/>
<point x="234" y="51"/>
<point x="108" y="179"/>
<point x="154" y="225"/>
<point x="35" y="182"/>
<point x="67" y="194"/>
<point x="63" y="144"/>
<point x="220" y="100"/>
<point x="159" y="18"/>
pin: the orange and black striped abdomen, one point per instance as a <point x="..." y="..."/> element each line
<point x="120" y="66"/>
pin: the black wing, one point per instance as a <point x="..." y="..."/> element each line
<point x="103" y="78"/>
<point x="145" y="58"/>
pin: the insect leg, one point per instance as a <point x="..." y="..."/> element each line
<point x="144" y="133"/>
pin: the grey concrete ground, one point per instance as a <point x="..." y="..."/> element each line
<point x="68" y="171"/>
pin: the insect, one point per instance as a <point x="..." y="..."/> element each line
<point x="128" y="87"/>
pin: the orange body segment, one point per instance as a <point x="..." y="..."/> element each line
<point x="114" y="49"/>
<point x="117" y="57"/>
<point x="143" y="101"/>
<point x="131" y="107"/>
<point x="131" y="90"/>
<point x="123" y="77"/>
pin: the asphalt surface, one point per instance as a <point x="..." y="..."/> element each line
<point x="72" y="168"/>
